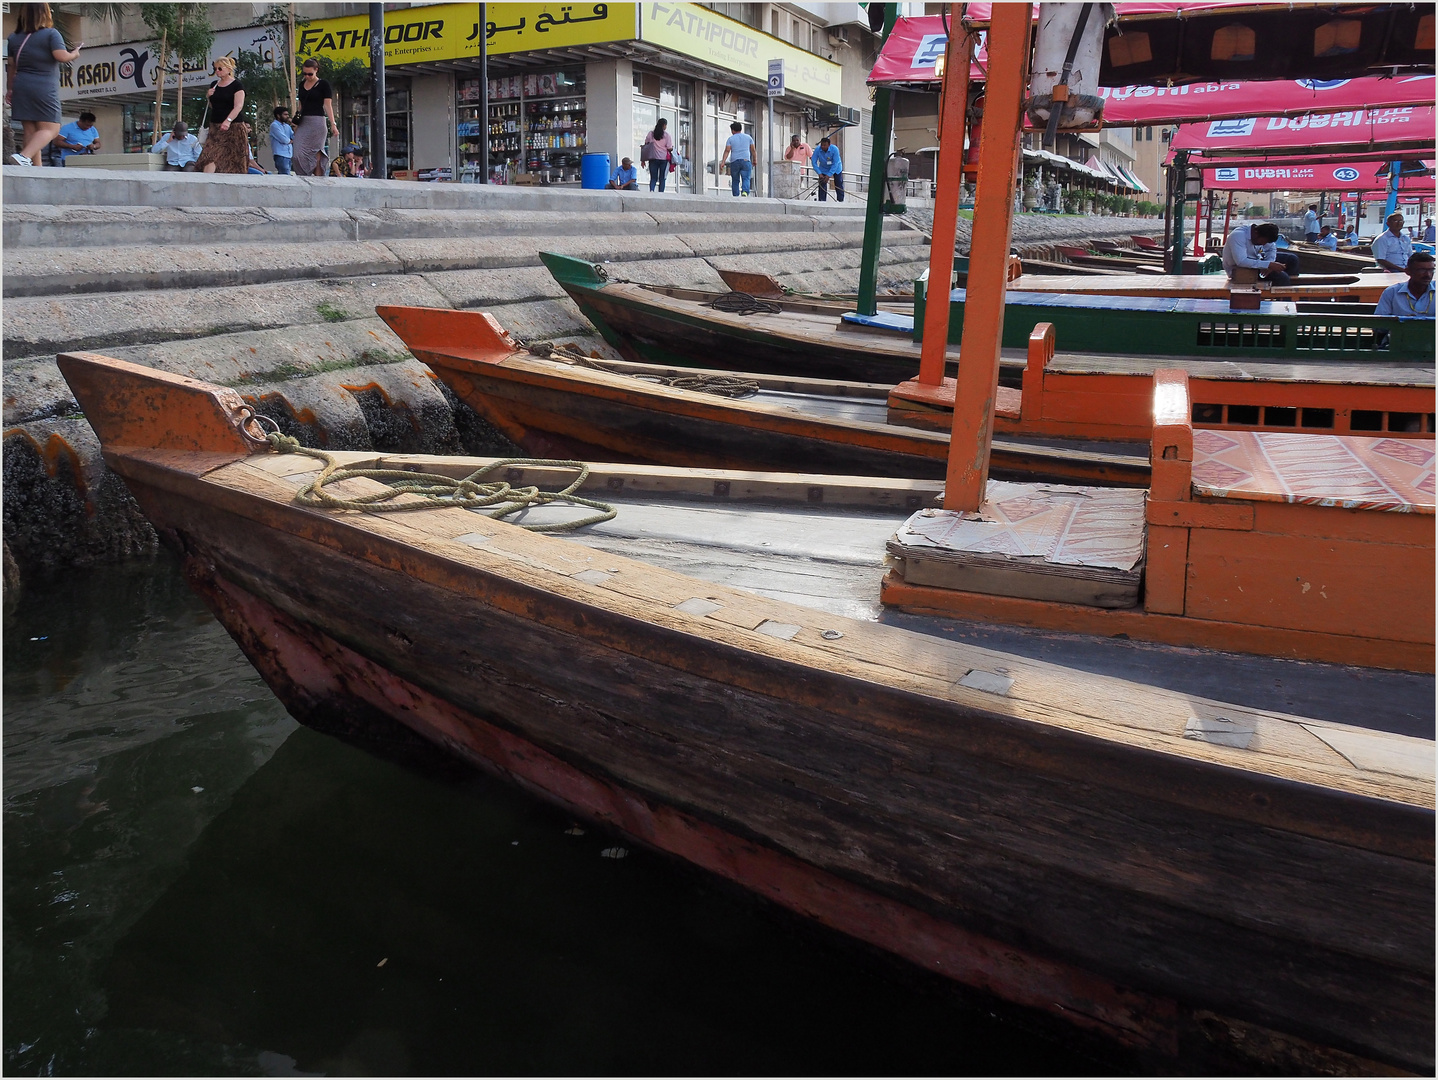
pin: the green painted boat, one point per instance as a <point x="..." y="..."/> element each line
<point x="1282" y="330"/>
<point x="649" y="324"/>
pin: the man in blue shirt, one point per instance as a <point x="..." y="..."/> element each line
<point x="829" y="166"/>
<point x="626" y="177"/>
<point x="1391" y="248"/>
<point x="81" y="137"/>
<point x="282" y="134"/>
<point x="1327" y="239"/>
<point x="1429" y="232"/>
<point x="1411" y="299"/>
<point x="181" y="149"/>
<point x="1310" y="223"/>
<point x="739" y="152"/>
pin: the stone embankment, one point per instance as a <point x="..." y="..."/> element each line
<point x="269" y="285"/>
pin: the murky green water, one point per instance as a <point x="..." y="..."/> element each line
<point x="194" y="884"/>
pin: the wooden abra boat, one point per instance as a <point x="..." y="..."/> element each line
<point x="1084" y="407"/>
<point x="663" y="326"/>
<point x="1202" y="879"/>
<point x="555" y="408"/>
<point x="650" y="325"/>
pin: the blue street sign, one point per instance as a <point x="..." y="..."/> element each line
<point x="776" y="78"/>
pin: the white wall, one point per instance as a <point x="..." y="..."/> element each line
<point x="432" y="120"/>
<point x="609" y="91"/>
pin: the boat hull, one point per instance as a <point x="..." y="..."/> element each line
<point x="966" y="843"/>
<point x="550" y="415"/>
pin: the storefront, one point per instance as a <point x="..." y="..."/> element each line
<point x="118" y="83"/>
<point x="566" y="79"/>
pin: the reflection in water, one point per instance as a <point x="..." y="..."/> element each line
<point x="193" y="884"/>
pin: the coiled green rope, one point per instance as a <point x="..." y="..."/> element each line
<point x="441" y="491"/>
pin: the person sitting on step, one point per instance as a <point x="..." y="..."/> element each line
<point x="626" y="177"/>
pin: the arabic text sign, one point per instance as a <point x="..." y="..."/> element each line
<point x="452" y="31"/>
<point x="726" y="43"/>
<point x="134" y="66"/>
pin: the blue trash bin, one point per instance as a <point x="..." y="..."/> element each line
<point x="594" y="171"/>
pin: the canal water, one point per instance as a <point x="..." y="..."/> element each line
<point x="195" y="884"/>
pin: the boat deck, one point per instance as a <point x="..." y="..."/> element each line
<point x="832" y="560"/>
<point x="1365" y="288"/>
<point x="1359" y="373"/>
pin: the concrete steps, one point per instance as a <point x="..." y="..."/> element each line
<point x="269" y="285"/>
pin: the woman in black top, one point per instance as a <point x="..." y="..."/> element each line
<point x="228" y="147"/>
<point x="316" y="101"/>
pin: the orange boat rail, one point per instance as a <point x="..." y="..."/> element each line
<point x="1117" y="405"/>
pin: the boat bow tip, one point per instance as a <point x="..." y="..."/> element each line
<point x="433" y="333"/>
<point x="130" y="405"/>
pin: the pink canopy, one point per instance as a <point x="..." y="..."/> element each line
<point x="911" y="53"/>
<point x="1193" y="102"/>
<point x="1405" y="127"/>
<point x="1333" y="176"/>
<point x="915" y="44"/>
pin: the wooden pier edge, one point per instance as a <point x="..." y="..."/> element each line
<point x="1164" y="629"/>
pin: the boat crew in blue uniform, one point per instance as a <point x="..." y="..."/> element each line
<point x="1411" y="299"/>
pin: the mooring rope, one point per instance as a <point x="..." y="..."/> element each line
<point x="730" y="386"/>
<point x="435" y="490"/>
<point x="741" y="303"/>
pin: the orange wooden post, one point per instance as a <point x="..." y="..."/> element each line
<point x="1166" y="574"/>
<point x="1041" y="351"/>
<point x="978" y="379"/>
<point x="948" y="178"/>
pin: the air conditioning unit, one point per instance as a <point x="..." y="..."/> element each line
<point x="838" y="36"/>
<point x="839" y="116"/>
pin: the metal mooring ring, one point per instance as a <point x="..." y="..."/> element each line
<point x="248" y="416"/>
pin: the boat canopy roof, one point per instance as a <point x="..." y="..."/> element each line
<point x="909" y="60"/>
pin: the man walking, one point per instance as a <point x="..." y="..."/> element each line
<point x="739" y="153"/>
<point x="829" y="166"/>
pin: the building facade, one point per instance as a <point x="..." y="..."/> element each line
<point x="563" y="80"/>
